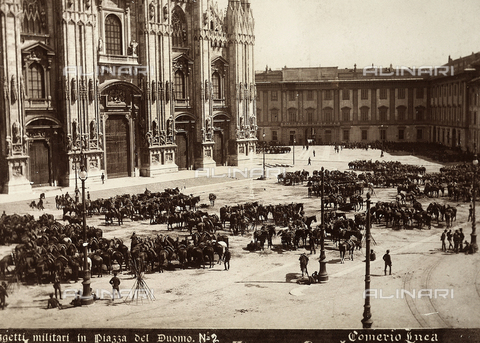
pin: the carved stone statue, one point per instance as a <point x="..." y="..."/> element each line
<point x="16" y="133"/>
<point x="133" y="48"/>
<point x="13" y="89"/>
<point x="93" y="129"/>
<point x="152" y="10"/>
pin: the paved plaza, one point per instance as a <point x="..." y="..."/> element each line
<point x="260" y="289"/>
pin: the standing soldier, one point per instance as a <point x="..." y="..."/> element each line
<point x="442" y="238"/>
<point x="3" y="294"/>
<point x="115" y="282"/>
<point x="388" y="262"/>
<point x="461" y="238"/>
<point x="227" y="257"/>
<point x="311" y="241"/>
<point x="57" y="287"/>
<point x="455" y="241"/>
<point x="449" y="239"/>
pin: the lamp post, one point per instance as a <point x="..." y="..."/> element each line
<point x="322" y="275"/>
<point x="367" y="314"/>
<point x="75" y="159"/>
<point x="87" y="298"/>
<point x="294" y="150"/>
<point x="474" y="224"/>
<point x="264" y="147"/>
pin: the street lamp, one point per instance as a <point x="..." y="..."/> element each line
<point x="322" y="275"/>
<point x="75" y="159"/>
<point x="264" y="147"/>
<point x="294" y="150"/>
<point x="87" y="298"/>
<point x="367" y="314"/>
<point x="474" y="224"/>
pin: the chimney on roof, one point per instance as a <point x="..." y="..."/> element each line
<point x="355" y="67"/>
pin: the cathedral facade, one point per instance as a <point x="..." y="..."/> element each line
<point x="123" y="88"/>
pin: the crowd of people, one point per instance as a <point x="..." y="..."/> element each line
<point x="459" y="242"/>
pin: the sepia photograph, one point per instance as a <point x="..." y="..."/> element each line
<point x="218" y="171"/>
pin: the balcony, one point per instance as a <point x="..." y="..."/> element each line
<point x="117" y="59"/>
<point x="182" y="103"/>
<point x="219" y="103"/>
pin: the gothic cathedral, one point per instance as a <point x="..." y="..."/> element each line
<point x="123" y="88"/>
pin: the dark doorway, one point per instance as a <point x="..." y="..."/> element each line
<point x="218" y="149"/>
<point x="117" y="146"/>
<point x="182" y="151"/>
<point x="39" y="166"/>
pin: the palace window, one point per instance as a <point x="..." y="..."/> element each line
<point x="419" y="93"/>
<point x="420" y="114"/>
<point x="401" y="93"/>
<point x="383" y="134"/>
<point x="364" y="94"/>
<point x="36" y="82"/>
<point x="419" y="134"/>
<point x="309" y="95"/>
<point x="383" y="114"/>
<point x="310" y="116"/>
<point x="401" y="112"/>
<point x="113" y="35"/>
<point x="274" y="95"/>
<point x="291" y="95"/>
<point x="364" y="113"/>
<point x="292" y="115"/>
<point x="364" y="135"/>
<point x="328" y="94"/>
<point x="345" y="94"/>
<point x="383" y="93"/>
<point x="274" y="115"/>
<point x="401" y="134"/>
<point x="346" y="135"/>
<point x="274" y="136"/>
<point x="328" y="115"/>
<point x="345" y="114"/>
<point x="179" y="85"/>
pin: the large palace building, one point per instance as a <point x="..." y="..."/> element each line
<point x="328" y="105"/>
<point x="124" y="88"/>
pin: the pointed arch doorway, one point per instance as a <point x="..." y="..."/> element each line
<point x="220" y="137"/>
<point x="120" y="107"/>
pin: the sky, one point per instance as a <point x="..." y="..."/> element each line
<point x="341" y="33"/>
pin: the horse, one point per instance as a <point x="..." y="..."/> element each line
<point x="303" y="264"/>
<point x="5" y="262"/>
<point x="309" y="220"/>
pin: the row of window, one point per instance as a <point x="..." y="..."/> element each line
<point x="364" y="94"/>
<point x="345" y="115"/>
<point x="446" y="90"/>
<point x="364" y="134"/>
<point x="35" y="84"/>
<point x="181" y="90"/>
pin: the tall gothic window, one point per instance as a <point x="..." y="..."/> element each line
<point x="179" y="34"/>
<point x="34" y="17"/>
<point x="179" y="85"/>
<point x="216" y="86"/>
<point x="36" y="84"/>
<point x="113" y="35"/>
